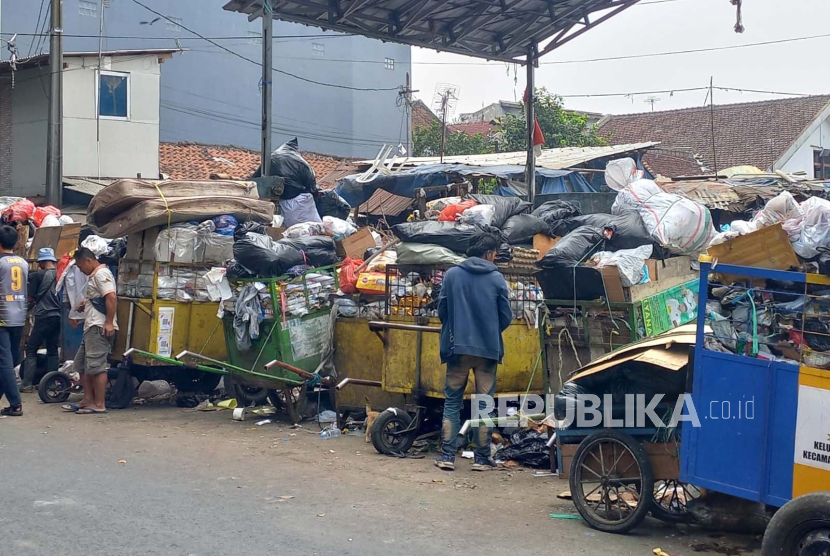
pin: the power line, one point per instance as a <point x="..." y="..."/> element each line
<point x="249" y="60"/>
<point x="198" y="38"/>
<point x="37" y="26"/>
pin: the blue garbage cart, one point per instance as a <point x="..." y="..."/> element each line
<point x="763" y="402"/>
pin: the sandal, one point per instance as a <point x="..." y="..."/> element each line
<point x="89" y="411"/>
<point x="12" y="411"/>
<point x="73" y="407"/>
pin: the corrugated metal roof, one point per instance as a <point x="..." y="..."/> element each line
<point x="383" y="203"/>
<point x="86" y="186"/>
<point x="713" y="195"/>
<point x="551" y="159"/>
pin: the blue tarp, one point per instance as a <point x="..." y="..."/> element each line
<point x="405" y="182"/>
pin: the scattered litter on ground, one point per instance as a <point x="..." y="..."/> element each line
<point x="565" y="516"/>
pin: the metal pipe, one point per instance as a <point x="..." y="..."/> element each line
<point x="530" y="169"/>
<point x="267" y="85"/>
<point x="499" y="422"/>
<point x="358" y="382"/>
<point x="54" y="141"/>
<point x="239" y="370"/>
<point x="287" y="367"/>
<point x="381" y="325"/>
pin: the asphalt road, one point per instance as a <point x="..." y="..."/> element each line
<point x="165" y="481"/>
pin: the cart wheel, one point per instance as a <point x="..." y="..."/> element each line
<point x="386" y="425"/>
<point x="800" y="528"/>
<point x="202" y="382"/>
<point x="611" y="481"/>
<point x="55" y="387"/>
<point x="121" y="391"/>
<point x="671" y="500"/>
<point x="250" y="395"/>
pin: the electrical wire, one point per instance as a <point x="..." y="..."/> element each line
<point x="198" y="38"/>
<point x="252" y="61"/>
<point x="37" y="27"/>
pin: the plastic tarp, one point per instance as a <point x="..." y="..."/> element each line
<point x="424" y="253"/>
<point x="405" y="182"/>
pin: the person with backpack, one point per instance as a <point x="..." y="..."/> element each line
<point x="47" y="312"/>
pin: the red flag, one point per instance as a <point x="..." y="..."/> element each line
<point x="538" y="136"/>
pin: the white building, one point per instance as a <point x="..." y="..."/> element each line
<point x="110" y="118"/>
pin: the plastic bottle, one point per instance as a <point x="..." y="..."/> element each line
<point x="330" y="433"/>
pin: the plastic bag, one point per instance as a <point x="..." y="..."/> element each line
<point x="742" y="227"/>
<point x="481" y="215"/>
<point x="19" y="211"/>
<point x="42" y="212"/>
<point x="372" y="283"/>
<point x="317" y="250"/>
<point x="424" y="253"/>
<point x="241" y="230"/>
<point x="528" y="447"/>
<point x="452" y="212"/>
<point x="225" y="224"/>
<point x="553" y="211"/>
<point x="179" y="244"/>
<point x="574" y="248"/>
<point x="337" y="227"/>
<point x="814" y="228"/>
<point x="348" y="278"/>
<point x="634" y="196"/>
<point x="329" y="203"/>
<point x="96" y="244"/>
<point x="630" y="262"/>
<point x="522" y="227"/>
<point x="299" y="209"/>
<point x="621" y="173"/>
<point x="440" y="204"/>
<point x="378" y="264"/>
<point x="287" y="163"/>
<point x="305" y="229"/>
<point x="262" y="257"/>
<point x="50" y="221"/>
<point x="216" y="248"/>
<point x="505" y="207"/>
<point x="629" y="230"/>
<point x="778" y="209"/>
<point x="65" y="219"/>
<point x="115" y="251"/>
<point x="455" y="237"/>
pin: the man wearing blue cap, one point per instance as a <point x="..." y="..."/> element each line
<point x="47" y="310"/>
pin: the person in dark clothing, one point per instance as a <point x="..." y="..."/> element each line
<point x="47" y="310"/>
<point x="13" y="273"/>
<point x="474" y="309"/>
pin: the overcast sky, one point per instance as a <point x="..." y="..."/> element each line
<point x="796" y="67"/>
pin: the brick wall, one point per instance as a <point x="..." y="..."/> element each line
<point x="5" y="137"/>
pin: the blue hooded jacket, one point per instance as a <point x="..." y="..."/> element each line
<point x="474" y="308"/>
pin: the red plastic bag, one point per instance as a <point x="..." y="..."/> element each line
<point x="63" y="264"/>
<point x="452" y="212"/>
<point x="19" y="211"/>
<point x="348" y="276"/>
<point x="42" y="212"/>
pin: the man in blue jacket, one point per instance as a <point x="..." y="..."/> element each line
<point x="474" y="309"/>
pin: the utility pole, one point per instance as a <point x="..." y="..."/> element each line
<point x="712" y="121"/>
<point x="408" y="114"/>
<point x="530" y="116"/>
<point x="267" y="90"/>
<point x="445" y="99"/>
<point x="54" y="140"/>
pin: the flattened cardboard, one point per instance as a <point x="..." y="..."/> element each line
<point x="544" y="243"/>
<point x="768" y="247"/>
<point x="62" y="239"/>
<point x="356" y="244"/>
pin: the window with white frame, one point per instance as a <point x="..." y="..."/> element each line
<point x="318" y="50"/>
<point x="254" y="37"/>
<point x="389" y="63"/>
<point x="88" y="8"/>
<point x="114" y="95"/>
<point x="173" y="23"/>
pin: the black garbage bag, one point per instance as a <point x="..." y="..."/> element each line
<point x="505" y="207"/>
<point x="504" y="254"/>
<point x="566" y="400"/>
<point x="552" y="211"/>
<point x="236" y="270"/>
<point x="527" y="447"/>
<point x="286" y="162"/>
<point x="245" y="227"/>
<point x="116" y="250"/>
<point x="261" y="256"/>
<point x="629" y="230"/>
<point x="330" y="203"/>
<point x="318" y="250"/>
<point x="455" y="237"/>
<point x="817" y="334"/>
<point x="521" y="228"/>
<point x="574" y="248"/>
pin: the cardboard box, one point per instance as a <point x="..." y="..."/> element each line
<point x="275" y="233"/>
<point x="62" y="239"/>
<point x="669" y="273"/>
<point x="356" y="244"/>
<point x="544" y="243"/>
<point x="668" y="268"/>
<point x="768" y="247"/>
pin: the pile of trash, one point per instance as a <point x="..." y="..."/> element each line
<point x="28" y="218"/>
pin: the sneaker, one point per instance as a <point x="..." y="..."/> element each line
<point x="26" y="389"/>
<point x="483" y="465"/>
<point x="446" y="465"/>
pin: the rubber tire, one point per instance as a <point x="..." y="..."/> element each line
<point x="658" y="512"/>
<point x="249" y="395"/>
<point x="389" y="416"/>
<point x="646" y="471"/>
<point x="122" y="399"/>
<point x="43" y="390"/>
<point x="797" y="518"/>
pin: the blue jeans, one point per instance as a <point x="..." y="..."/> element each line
<point x="458" y="370"/>
<point x="9" y="359"/>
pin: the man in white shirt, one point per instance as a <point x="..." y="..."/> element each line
<point x="99" y="307"/>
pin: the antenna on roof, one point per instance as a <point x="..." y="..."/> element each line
<point x="444" y="102"/>
<point x="652" y="100"/>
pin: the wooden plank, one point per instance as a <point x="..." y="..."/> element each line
<point x="768" y="247"/>
<point x="44" y="237"/>
<point x="69" y="238"/>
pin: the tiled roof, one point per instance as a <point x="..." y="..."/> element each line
<point x="754" y="133"/>
<point x="422" y="116"/>
<point x="193" y="161"/>
<point x="473" y="128"/>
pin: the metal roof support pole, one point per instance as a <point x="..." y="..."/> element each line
<point x="530" y="117"/>
<point x="266" y="85"/>
<point x="54" y="143"/>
